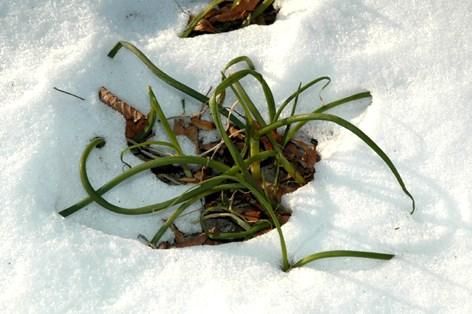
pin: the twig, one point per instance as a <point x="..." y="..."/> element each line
<point x="70" y="94"/>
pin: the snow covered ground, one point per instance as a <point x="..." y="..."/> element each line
<point x="415" y="58"/>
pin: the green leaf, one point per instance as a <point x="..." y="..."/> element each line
<point x="341" y="253"/>
<point x="304" y="118"/>
<point x="168" y="79"/>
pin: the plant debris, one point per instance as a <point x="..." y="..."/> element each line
<point x="224" y="16"/>
<point x="277" y="181"/>
<point x="136" y="121"/>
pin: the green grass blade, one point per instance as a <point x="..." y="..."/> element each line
<point x="298" y="92"/>
<point x="304" y="118"/>
<point x="144" y="144"/>
<point x="267" y="206"/>
<point x="237" y="76"/>
<point x="168" y="79"/>
<point x="152" y="164"/>
<point x="165" y="125"/>
<point x="158" y="72"/>
<point x="324" y="108"/>
<point x="239" y="59"/>
<point x="341" y="253"/>
<point x="234" y="79"/>
<point x="214" y="108"/>
<point x="294" y="108"/>
<point x="155" y="240"/>
<point x="250" y="113"/>
<point x="95" y="195"/>
<point x="342" y="101"/>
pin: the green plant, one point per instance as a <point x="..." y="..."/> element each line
<point x="262" y="147"/>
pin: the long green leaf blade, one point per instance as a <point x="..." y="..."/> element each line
<point x="168" y="79"/>
<point x="341" y="253"/>
<point x="304" y="118"/>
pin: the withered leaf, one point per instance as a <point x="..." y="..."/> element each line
<point x="308" y="156"/>
<point x="133" y="129"/>
<point x="284" y="218"/>
<point x="198" y="239"/>
<point x="184" y="241"/>
<point x="239" y="12"/>
<point x="179" y="236"/>
<point x="190" y="131"/>
<point x="234" y="132"/>
<point x="136" y="121"/>
<point x="202" y="124"/>
<point x="205" y="26"/>
<point x="252" y="215"/>
<point x="164" y="245"/>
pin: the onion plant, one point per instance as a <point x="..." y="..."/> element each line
<point x="244" y="173"/>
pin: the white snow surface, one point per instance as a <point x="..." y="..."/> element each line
<point x="415" y="58"/>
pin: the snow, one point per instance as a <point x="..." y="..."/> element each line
<point x="413" y="56"/>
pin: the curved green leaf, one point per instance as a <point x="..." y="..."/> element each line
<point x="341" y="253"/>
<point x="304" y="118"/>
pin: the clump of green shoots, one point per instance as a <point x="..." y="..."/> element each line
<point x="244" y="169"/>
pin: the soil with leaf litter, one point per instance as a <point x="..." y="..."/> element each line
<point x="224" y="16"/>
<point x="224" y="212"/>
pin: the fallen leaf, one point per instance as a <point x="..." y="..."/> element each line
<point x="234" y="132"/>
<point x="179" y="236"/>
<point x="205" y="26"/>
<point x="198" y="177"/>
<point x="284" y="218"/>
<point x="252" y="215"/>
<point x="309" y="156"/>
<point x="202" y="124"/>
<point x="198" y="239"/>
<point x="238" y="12"/>
<point x="133" y="129"/>
<point x="266" y="143"/>
<point x="136" y="121"/>
<point x="184" y="241"/>
<point x="164" y="245"/>
<point x="190" y="131"/>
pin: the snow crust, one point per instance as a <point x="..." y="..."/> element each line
<point x="415" y="58"/>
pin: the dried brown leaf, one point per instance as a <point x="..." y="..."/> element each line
<point x="190" y="131"/>
<point x="164" y="245"/>
<point x="234" y="132"/>
<point x="205" y="26"/>
<point x="252" y="215"/>
<point x="179" y="236"/>
<point x="284" y="218"/>
<point x="184" y="241"/>
<point x="239" y="12"/>
<point x="136" y="121"/>
<point x="309" y="155"/>
<point x="202" y="124"/>
<point x="193" y="240"/>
